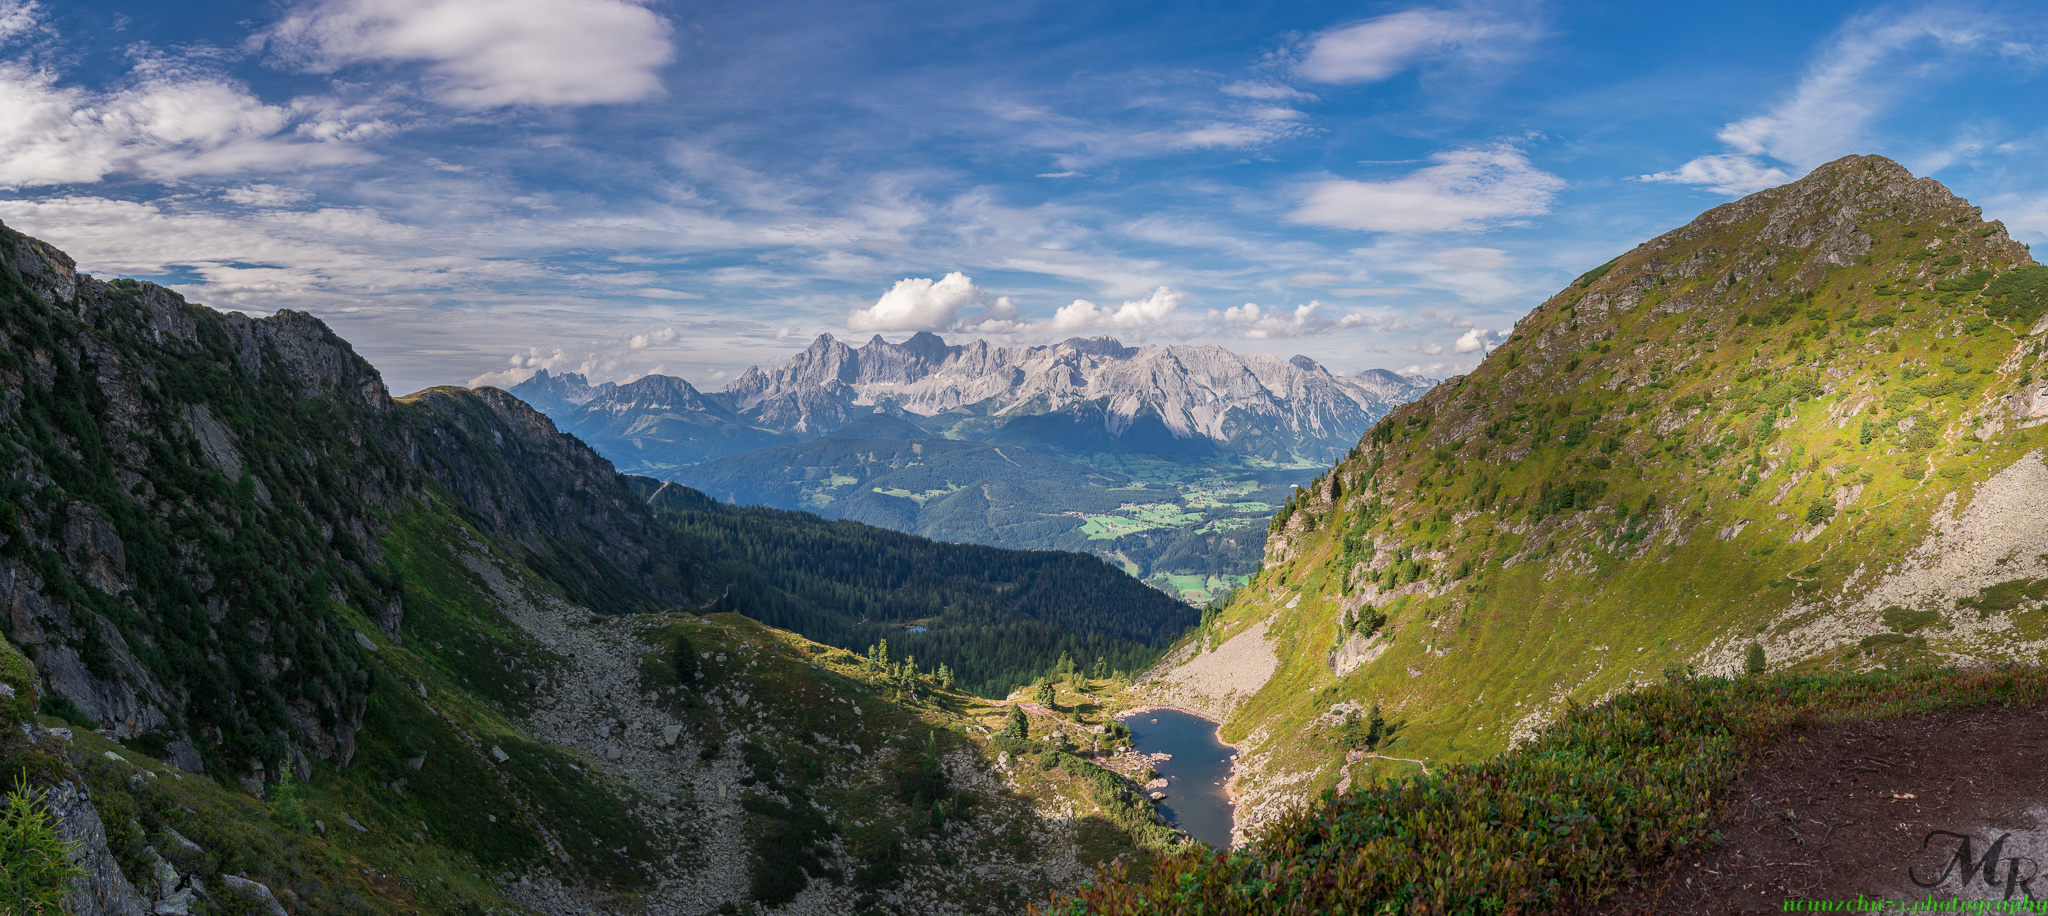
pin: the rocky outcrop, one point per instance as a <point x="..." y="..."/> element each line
<point x="103" y="890"/>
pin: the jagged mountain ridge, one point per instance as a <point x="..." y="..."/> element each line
<point x="1160" y="459"/>
<point x="1250" y="403"/>
<point x="1811" y="420"/>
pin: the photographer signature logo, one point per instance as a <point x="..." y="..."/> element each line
<point x="2011" y="874"/>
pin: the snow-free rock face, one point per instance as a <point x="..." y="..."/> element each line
<point x="1204" y="398"/>
<point x="1247" y="402"/>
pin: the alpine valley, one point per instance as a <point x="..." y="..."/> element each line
<point x="1164" y="460"/>
<point x="278" y="641"/>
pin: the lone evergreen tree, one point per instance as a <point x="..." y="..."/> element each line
<point x="1754" y="664"/>
<point x="1020" y="725"/>
<point x="1045" y="695"/>
<point x="683" y="657"/>
<point x="1101" y="668"/>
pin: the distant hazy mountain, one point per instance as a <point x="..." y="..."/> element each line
<point x="1165" y="460"/>
<point x="1081" y="396"/>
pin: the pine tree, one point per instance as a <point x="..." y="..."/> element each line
<point x="1045" y="695"/>
<point x="1101" y="668"/>
<point x="1754" y="664"/>
<point x="1020" y="725"/>
<point x="683" y="658"/>
<point x="945" y="677"/>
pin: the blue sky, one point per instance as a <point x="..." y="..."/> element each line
<point x="472" y="189"/>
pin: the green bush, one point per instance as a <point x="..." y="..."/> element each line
<point x="2019" y="296"/>
<point x="1603" y="799"/>
<point x="683" y="659"/>
<point x="1906" y="620"/>
<point x="34" y="863"/>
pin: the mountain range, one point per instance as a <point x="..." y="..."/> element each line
<point x="1162" y="459"/>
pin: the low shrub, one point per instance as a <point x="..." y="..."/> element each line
<point x="1603" y="799"/>
<point x="34" y="862"/>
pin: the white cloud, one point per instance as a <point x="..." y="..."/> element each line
<point x="1728" y="173"/>
<point x="923" y="304"/>
<point x="490" y="53"/>
<point x="170" y="121"/>
<point x="20" y="19"/>
<point x="652" y="338"/>
<point x="1255" y="323"/>
<point x="1135" y="314"/>
<point x="1471" y="259"/>
<point x="266" y="195"/>
<point x="1266" y="92"/>
<point x="1478" y="340"/>
<point x="1378" y="48"/>
<point x="1855" y="77"/>
<point x="1467" y="189"/>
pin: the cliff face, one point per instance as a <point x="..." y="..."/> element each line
<point x="1807" y="420"/>
<point x="195" y="502"/>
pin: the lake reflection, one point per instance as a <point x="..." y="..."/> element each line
<point x="1195" y="798"/>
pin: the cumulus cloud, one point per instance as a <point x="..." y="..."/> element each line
<point x="1465" y="190"/>
<point x="1850" y="82"/>
<point x="1378" y="48"/>
<point x="489" y="53"/>
<point x="924" y="304"/>
<point x="1254" y="323"/>
<point x="652" y="338"/>
<point x="172" y="120"/>
<point x="1478" y="340"/>
<point x="1136" y="314"/>
<point x="619" y="359"/>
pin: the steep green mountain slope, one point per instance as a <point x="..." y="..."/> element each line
<point x="1811" y="421"/>
<point x="419" y="654"/>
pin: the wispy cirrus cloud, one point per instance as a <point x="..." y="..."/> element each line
<point x="488" y="53"/>
<point x="1859" y="73"/>
<point x="1467" y="189"/>
<point x="1379" y="48"/>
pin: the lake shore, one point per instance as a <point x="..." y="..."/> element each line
<point x="1230" y="793"/>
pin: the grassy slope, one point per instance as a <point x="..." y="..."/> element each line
<point x="1518" y="605"/>
<point x="436" y="841"/>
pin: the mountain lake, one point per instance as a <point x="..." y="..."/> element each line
<point x="1196" y="773"/>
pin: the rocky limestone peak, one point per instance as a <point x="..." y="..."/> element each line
<point x="1098" y="346"/>
<point x="552" y="392"/>
<point x="659" y="392"/>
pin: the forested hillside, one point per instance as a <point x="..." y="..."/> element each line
<point x="995" y="618"/>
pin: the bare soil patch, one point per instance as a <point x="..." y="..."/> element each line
<point x="1885" y="810"/>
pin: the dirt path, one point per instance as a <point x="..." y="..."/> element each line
<point x="1884" y="810"/>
